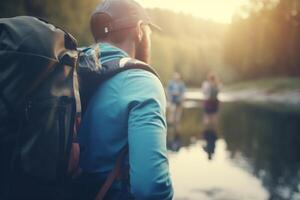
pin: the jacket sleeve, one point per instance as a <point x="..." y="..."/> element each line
<point x="149" y="167"/>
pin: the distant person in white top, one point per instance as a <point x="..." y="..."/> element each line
<point x="210" y="90"/>
<point x="175" y="93"/>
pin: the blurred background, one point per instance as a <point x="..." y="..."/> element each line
<point x="252" y="47"/>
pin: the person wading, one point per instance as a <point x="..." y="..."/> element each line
<point x="175" y="91"/>
<point x="210" y="90"/>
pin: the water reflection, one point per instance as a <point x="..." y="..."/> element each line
<point x="175" y="143"/>
<point x="210" y="136"/>
<point x="257" y="155"/>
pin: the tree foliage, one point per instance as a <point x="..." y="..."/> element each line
<point x="188" y="45"/>
<point x="72" y="15"/>
<point x="266" y="42"/>
<point x="263" y="39"/>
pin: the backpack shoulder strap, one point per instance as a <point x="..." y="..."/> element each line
<point x="119" y="65"/>
<point x="136" y="64"/>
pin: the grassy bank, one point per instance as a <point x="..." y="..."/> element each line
<point x="272" y="88"/>
<point x="268" y="85"/>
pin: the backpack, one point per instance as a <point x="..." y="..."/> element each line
<point x="38" y="95"/>
<point x="43" y="79"/>
<point x="92" y="74"/>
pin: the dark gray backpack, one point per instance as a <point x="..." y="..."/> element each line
<point x="40" y="104"/>
<point x="38" y="88"/>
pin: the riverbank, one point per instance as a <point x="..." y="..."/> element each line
<point x="267" y="92"/>
<point x="270" y="85"/>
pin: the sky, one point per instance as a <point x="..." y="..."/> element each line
<point x="216" y="10"/>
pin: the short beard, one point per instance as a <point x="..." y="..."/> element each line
<point x="142" y="51"/>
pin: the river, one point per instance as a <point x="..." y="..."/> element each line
<point x="253" y="155"/>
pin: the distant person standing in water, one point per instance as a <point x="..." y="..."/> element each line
<point x="210" y="90"/>
<point x="175" y="92"/>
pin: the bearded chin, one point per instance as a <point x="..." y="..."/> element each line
<point x="143" y="51"/>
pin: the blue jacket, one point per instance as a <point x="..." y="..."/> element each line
<point x="175" y="91"/>
<point x="127" y="109"/>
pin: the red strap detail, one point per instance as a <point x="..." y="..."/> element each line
<point x="73" y="167"/>
<point x="116" y="172"/>
<point x="77" y="123"/>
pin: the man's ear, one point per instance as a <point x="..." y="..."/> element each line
<point x="139" y="30"/>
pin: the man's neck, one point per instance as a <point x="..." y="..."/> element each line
<point x="126" y="46"/>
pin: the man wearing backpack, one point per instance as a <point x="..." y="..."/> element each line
<point x="123" y="131"/>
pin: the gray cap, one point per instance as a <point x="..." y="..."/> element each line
<point x="123" y="14"/>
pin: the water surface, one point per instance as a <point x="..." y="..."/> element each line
<point x="253" y="155"/>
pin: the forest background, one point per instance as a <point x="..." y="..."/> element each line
<point x="261" y="42"/>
